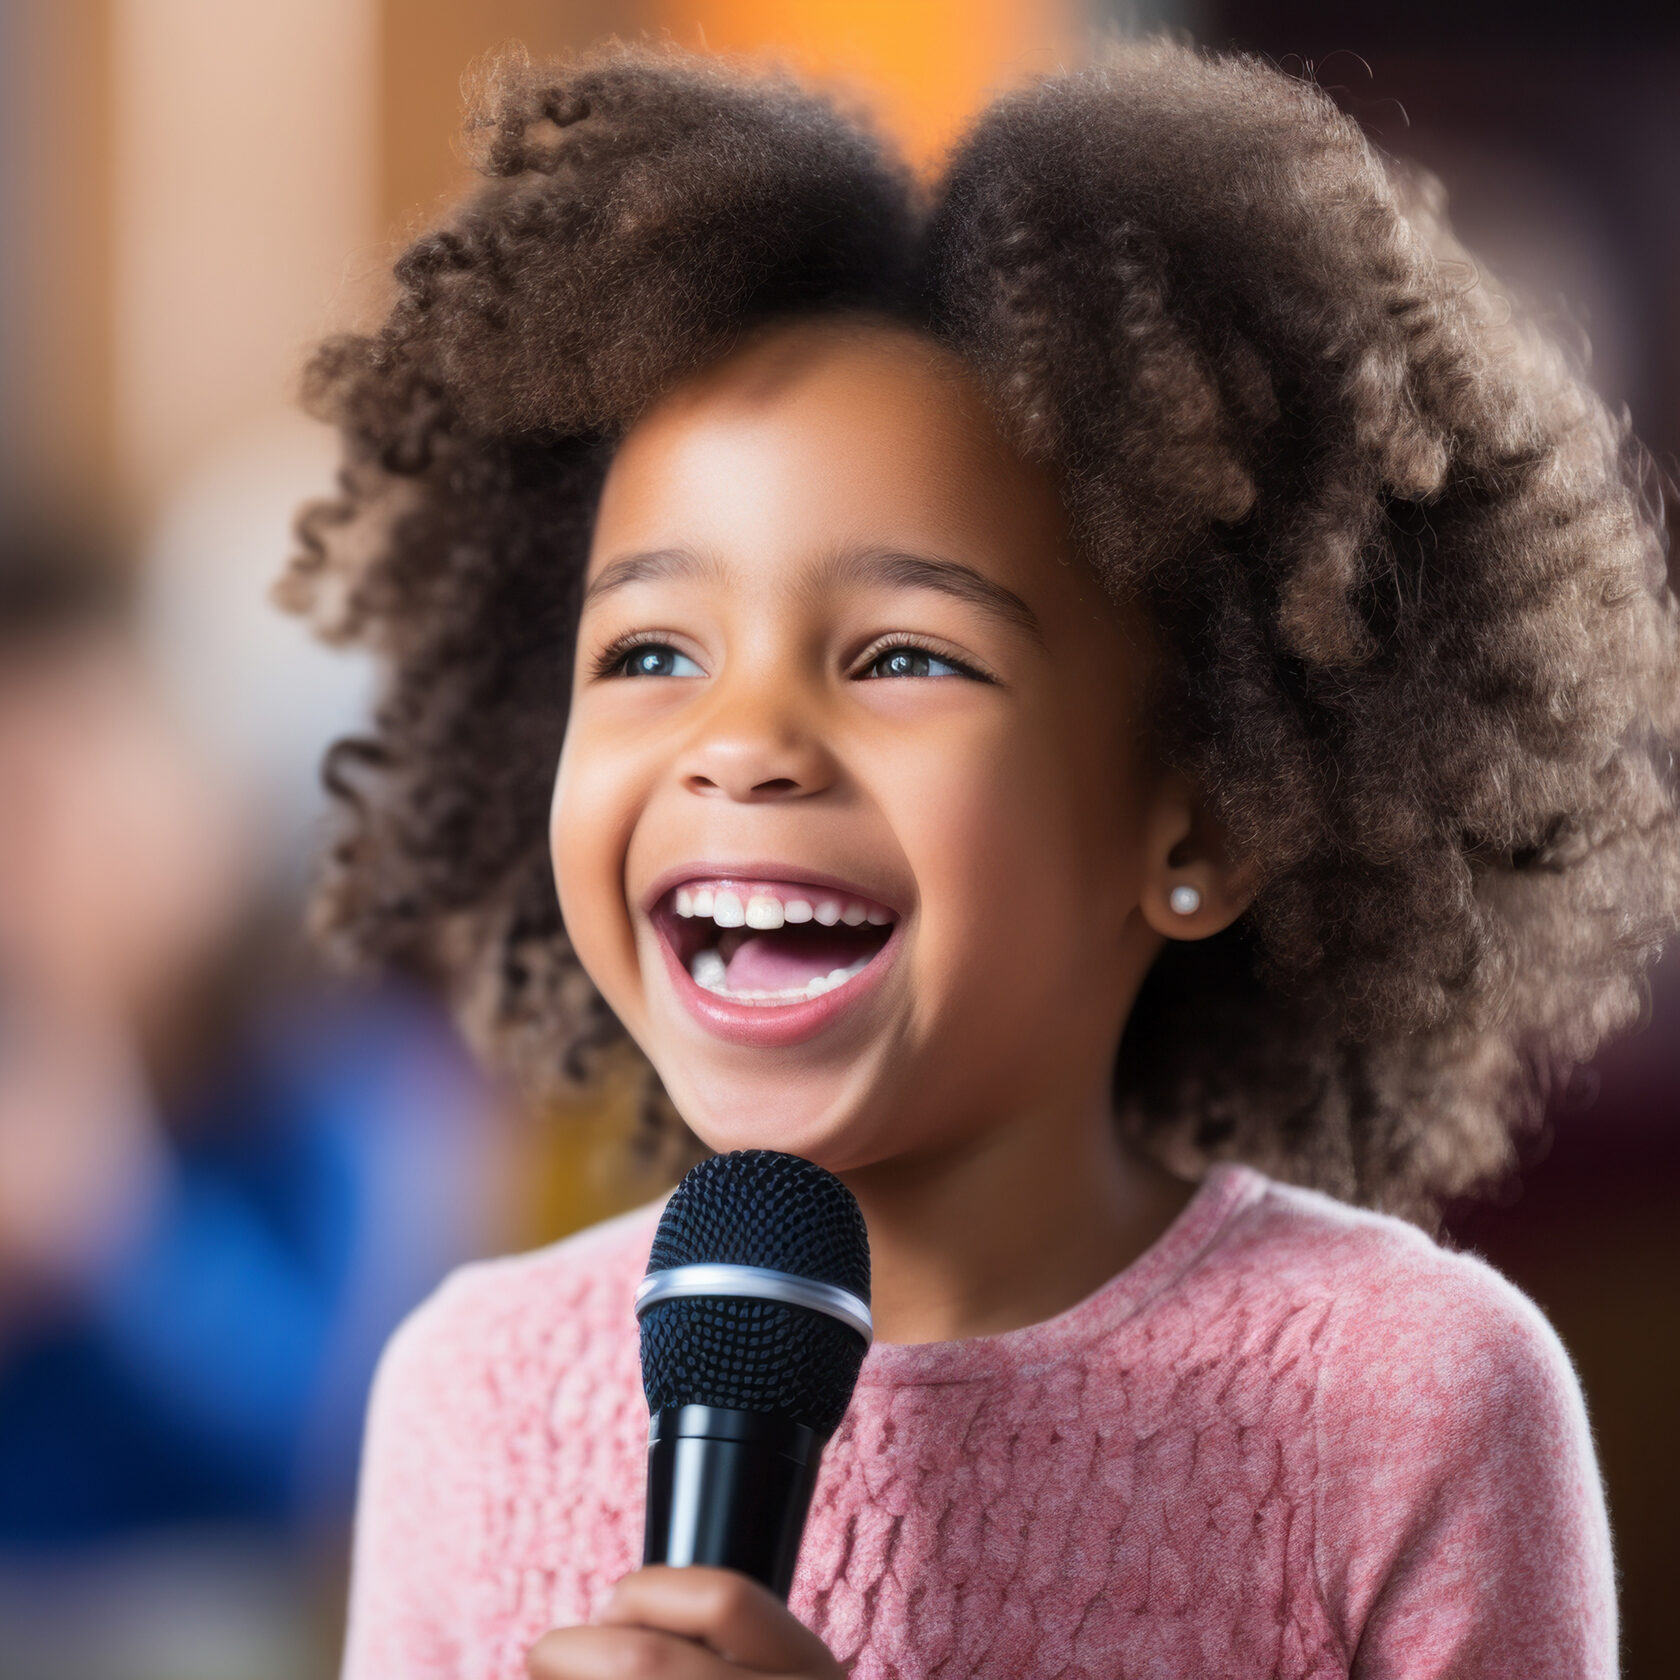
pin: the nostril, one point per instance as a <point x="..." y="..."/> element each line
<point x="776" y="787"/>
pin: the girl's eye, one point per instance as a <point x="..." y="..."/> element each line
<point x="651" y="659"/>
<point x="907" y="661"/>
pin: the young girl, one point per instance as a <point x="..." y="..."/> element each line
<point x="1127" y="709"/>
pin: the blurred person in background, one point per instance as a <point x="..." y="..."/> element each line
<point x="220" y="1184"/>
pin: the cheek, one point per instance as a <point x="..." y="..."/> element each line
<point x="1020" y="850"/>
<point x="596" y="799"/>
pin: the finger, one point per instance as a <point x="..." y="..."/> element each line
<point x="623" y="1653"/>
<point x="734" y="1615"/>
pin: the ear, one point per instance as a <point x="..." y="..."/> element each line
<point x="1184" y="848"/>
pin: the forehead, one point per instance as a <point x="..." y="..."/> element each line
<point x="827" y="435"/>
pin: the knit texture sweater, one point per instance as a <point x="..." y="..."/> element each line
<point x="1293" y="1439"/>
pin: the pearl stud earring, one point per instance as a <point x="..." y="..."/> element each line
<point x="1186" y="900"/>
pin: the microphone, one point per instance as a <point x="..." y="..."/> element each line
<point x="754" y="1322"/>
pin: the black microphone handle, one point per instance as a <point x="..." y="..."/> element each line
<point x="731" y="1489"/>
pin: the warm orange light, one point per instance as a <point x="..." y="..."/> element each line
<point x="923" y="66"/>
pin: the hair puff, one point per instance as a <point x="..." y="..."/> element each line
<point x="1406" y="572"/>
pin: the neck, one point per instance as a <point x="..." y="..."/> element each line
<point x="1009" y="1228"/>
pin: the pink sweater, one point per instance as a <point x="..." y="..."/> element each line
<point x="1291" y="1440"/>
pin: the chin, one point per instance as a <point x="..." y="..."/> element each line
<point x="732" y="1119"/>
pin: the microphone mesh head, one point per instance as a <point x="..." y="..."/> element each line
<point x="757" y="1207"/>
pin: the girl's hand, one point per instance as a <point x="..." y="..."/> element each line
<point x="685" y="1624"/>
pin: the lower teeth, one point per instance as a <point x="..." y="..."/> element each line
<point x="708" y="969"/>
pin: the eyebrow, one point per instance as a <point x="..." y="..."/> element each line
<point x="889" y="568"/>
<point x="641" y="568"/>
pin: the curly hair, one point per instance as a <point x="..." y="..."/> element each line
<point x="1408" y="575"/>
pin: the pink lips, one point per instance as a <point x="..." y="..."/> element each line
<point x="763" y="1026"/>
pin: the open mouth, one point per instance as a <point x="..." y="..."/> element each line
<point x="771" y="943"/>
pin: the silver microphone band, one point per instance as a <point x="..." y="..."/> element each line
<point x="759" y="1283"/>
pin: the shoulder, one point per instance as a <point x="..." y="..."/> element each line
<point x="1377" y="1331"/>
<point x="1459" y="1522"/>
<point x="1413" y="1354"/>
<point x="462" y="1409"/>
<point x="494" y="1328"/>
<point x="1394" y="1302"/>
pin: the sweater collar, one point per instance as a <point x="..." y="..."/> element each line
<point x="1224" y="1191"/>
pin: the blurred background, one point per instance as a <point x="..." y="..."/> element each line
<point x="222" y="1178"/>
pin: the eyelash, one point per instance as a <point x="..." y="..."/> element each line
<point x="610" y="660"/>
<point x="904" y="644"/>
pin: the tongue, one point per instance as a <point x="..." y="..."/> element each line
<point x="776" y="961"/>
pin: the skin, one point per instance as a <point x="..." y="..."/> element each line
<point x="1011" y="816"/>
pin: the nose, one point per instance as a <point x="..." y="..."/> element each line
<point x="758" y="741"/>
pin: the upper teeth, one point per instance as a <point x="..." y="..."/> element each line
<point x="768" y="907"/>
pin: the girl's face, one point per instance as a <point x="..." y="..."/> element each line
<point x="852" y="814"/>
